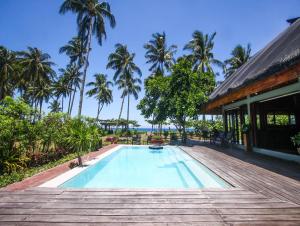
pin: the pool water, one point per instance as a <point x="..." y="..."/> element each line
<point x="141" y="167"/>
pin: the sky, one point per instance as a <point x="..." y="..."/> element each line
<point x="37" y="23"/>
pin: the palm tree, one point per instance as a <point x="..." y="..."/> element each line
<point x="36" y="68"/>
<point x="159" y="54"/>
<point x="72" y="79"/>
<point x="75" y="50"/>
<point x="201" y="47"/>
<point x="40" y="93"/>
<point x="55" y="106"/>
<point x="130" y="86"/>
<point x="8" y="72"/>
<point x="91" y="15"/>
<point x="239" y="56"/>
<point x="122" y="62"/>
<point x="61" y="87"/>
<point x="100" y="89"/>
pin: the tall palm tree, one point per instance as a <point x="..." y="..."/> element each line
<point x="130" y="86"/>
<point x="122" y="61"/>
<point x="101" y="90"/>
<point x="55" y="106"/>
<point x="239" y="56"/>
<point x="8" y="72"/>
<point x="36" y="68"/>
<point x="159" y="54"/>
<point x="91" y="15"/>
<point x="40" y="93"/>
<point x="75" y="49"/>
<point x="201" y="47"/>
<point x="61" y="88"/>
<point x="72" y="79"/>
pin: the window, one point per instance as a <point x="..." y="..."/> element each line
<point x="280" y="119"/>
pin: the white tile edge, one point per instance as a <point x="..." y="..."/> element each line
<point x="62" y="178"/>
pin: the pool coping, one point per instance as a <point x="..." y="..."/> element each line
<point x="64" y="177"/>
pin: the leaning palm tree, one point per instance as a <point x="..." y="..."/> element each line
<point x="55" y="106"/>
<point x="122" y="61"/>
<point x="8" y="72"/>
<point x="159" y="54"/>
<point x="101" y="90"/>
<point x="36" y="67"/>
<point x="201" y="47"/>
<point x="239" y="56"/>
<point x="91" y="15"/>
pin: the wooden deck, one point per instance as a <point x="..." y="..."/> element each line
<point x="263" y="195"/>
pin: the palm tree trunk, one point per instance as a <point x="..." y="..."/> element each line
<point x="128" y="99"/>
<point x="69" y="104"/>
<point x="73" y="100"/>
<point x="62" y="104"/>
<point x="86" y="64"/>
<point x="120" y="113"/>
<point x="98" y="111"/>
<point x="41" y="104"/>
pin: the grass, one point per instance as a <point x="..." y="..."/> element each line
<point x="7" y="179"/>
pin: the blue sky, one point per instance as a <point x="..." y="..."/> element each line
<point x="37" y="23"/>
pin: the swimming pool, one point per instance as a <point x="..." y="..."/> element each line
<point x="141" y="167"/>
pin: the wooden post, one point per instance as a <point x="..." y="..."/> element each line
<point x="250" y="123"/>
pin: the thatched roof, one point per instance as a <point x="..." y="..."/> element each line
<point x="279" y="54"/>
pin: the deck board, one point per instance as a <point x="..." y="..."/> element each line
<point x="261" y="195"/>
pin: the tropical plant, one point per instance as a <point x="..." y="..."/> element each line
<point x="75" y="49"/>
<point x="55" y="106"/>
<point x="37" y="70"/>
<point x="201" y="47"/>
<point x="8" y="72"/>
<point x="122" y="61"/>
<point x="40" y="93"/>
<point x="159" y="54"/>
<point x="91" y="15"/>
<point x="296" y="139"/>
<point x="130" y="86"/>
<point x="101" y="90"/>
<point x="239" y="56"/>
<point x="62" y="88"/>
<point x="72" y="79"/>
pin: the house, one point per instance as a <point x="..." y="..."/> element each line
<point x="265" y="92"/>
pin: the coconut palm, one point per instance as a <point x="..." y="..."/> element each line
<point x="159" y="54"/>
<point x="201" y="47"/>
<point x="75" y="50"/>
<point x="55" y="106"/>
<point x="129" y="86"/>
<point x="36" y="68"/>
<point x="61" y="88"/>
<point x="8" y="72"/>
<point x="72" y="77"/>
<point x="239" y="56"/>
<point x="101" y="90"/>
<point x="122" y="61"/>
<point x="91" y="15"/>
<point x="40" y="93"/>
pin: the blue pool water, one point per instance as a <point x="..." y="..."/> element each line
<point x="141" y="167"/>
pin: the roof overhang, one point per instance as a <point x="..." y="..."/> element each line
<point x="273" y="81"/>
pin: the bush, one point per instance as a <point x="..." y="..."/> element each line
<point x="166" y="134"/>
<point x="28" y="142"/>
<point x="174" y="137"/>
